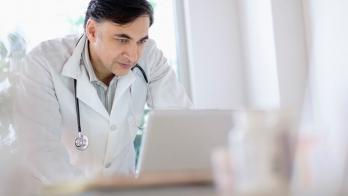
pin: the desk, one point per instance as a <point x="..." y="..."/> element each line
<point x="160" y="191"/>
<point x="161" y="184"/>
<point x="190" y="183"/>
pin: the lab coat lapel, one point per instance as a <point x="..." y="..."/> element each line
<point x="85" y="91"/>
<point x="72" y="68"/>
<point x="123" y="84"/>
<point x="119" y="117"/>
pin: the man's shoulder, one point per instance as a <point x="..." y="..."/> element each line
<point x="54" y="52"/>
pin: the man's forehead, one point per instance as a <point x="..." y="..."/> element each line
<point x="132" y="30"/>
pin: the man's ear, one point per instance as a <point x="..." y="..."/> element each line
<point x="91" y="30"/>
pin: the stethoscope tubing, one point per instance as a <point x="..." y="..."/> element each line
<point x="81" y="141"/>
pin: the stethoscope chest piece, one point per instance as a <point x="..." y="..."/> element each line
<point x="81" y="142"/>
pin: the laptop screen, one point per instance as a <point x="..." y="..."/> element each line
<point x="183" y="139"/>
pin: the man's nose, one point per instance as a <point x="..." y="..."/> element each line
<point x="132" y="53"/>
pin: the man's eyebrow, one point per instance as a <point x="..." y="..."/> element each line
<point x="144" y="38"/>
<point x="122" y="35"/>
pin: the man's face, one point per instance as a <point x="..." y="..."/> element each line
<point x="115" y="49"/>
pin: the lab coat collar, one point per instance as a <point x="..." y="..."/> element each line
<point x="72" y="68"/>
<point x="86" y="92"/>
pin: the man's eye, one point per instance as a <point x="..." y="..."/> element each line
<point x="123" y="41"/>
<point x="143" y="41"/>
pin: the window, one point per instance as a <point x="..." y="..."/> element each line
<point x="163" y="29"/>
<point x="53" y="18"/>
<point x="47" y="19"/>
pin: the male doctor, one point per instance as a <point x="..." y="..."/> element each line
<point x="92" y="75"/>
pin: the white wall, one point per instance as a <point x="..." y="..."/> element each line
<point x="246" y="53"/>
<point x="328" y="58"/>
<point x="327" y="31"/>
<point x="214" y="53"/>
<point x="291" y="52"/>
<point x="259" y="54"/>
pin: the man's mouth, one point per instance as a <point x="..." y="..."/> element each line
<point x="126" y="66"/>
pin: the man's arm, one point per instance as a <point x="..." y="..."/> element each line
<point x="38" y="123"/>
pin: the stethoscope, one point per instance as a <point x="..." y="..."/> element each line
<point x="81" y="141"/>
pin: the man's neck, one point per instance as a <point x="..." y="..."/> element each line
<point x="100" y="72"/>
<point x="106" y="79"/>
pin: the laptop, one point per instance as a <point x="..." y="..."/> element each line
<point x="182" y="140"/>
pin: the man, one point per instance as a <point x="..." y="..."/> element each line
<point x="91" y="75"/>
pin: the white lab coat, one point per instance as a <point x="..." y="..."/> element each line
<point x="45" y="113"/>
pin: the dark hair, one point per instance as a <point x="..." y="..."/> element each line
<point x="118" y="11"/>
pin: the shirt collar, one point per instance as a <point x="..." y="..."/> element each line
<point x="88" y="64"/>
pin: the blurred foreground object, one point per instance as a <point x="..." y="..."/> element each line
<point x="261" y="152"/>
<point x="14" y="177"/>
<point x="260" y="155"/>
